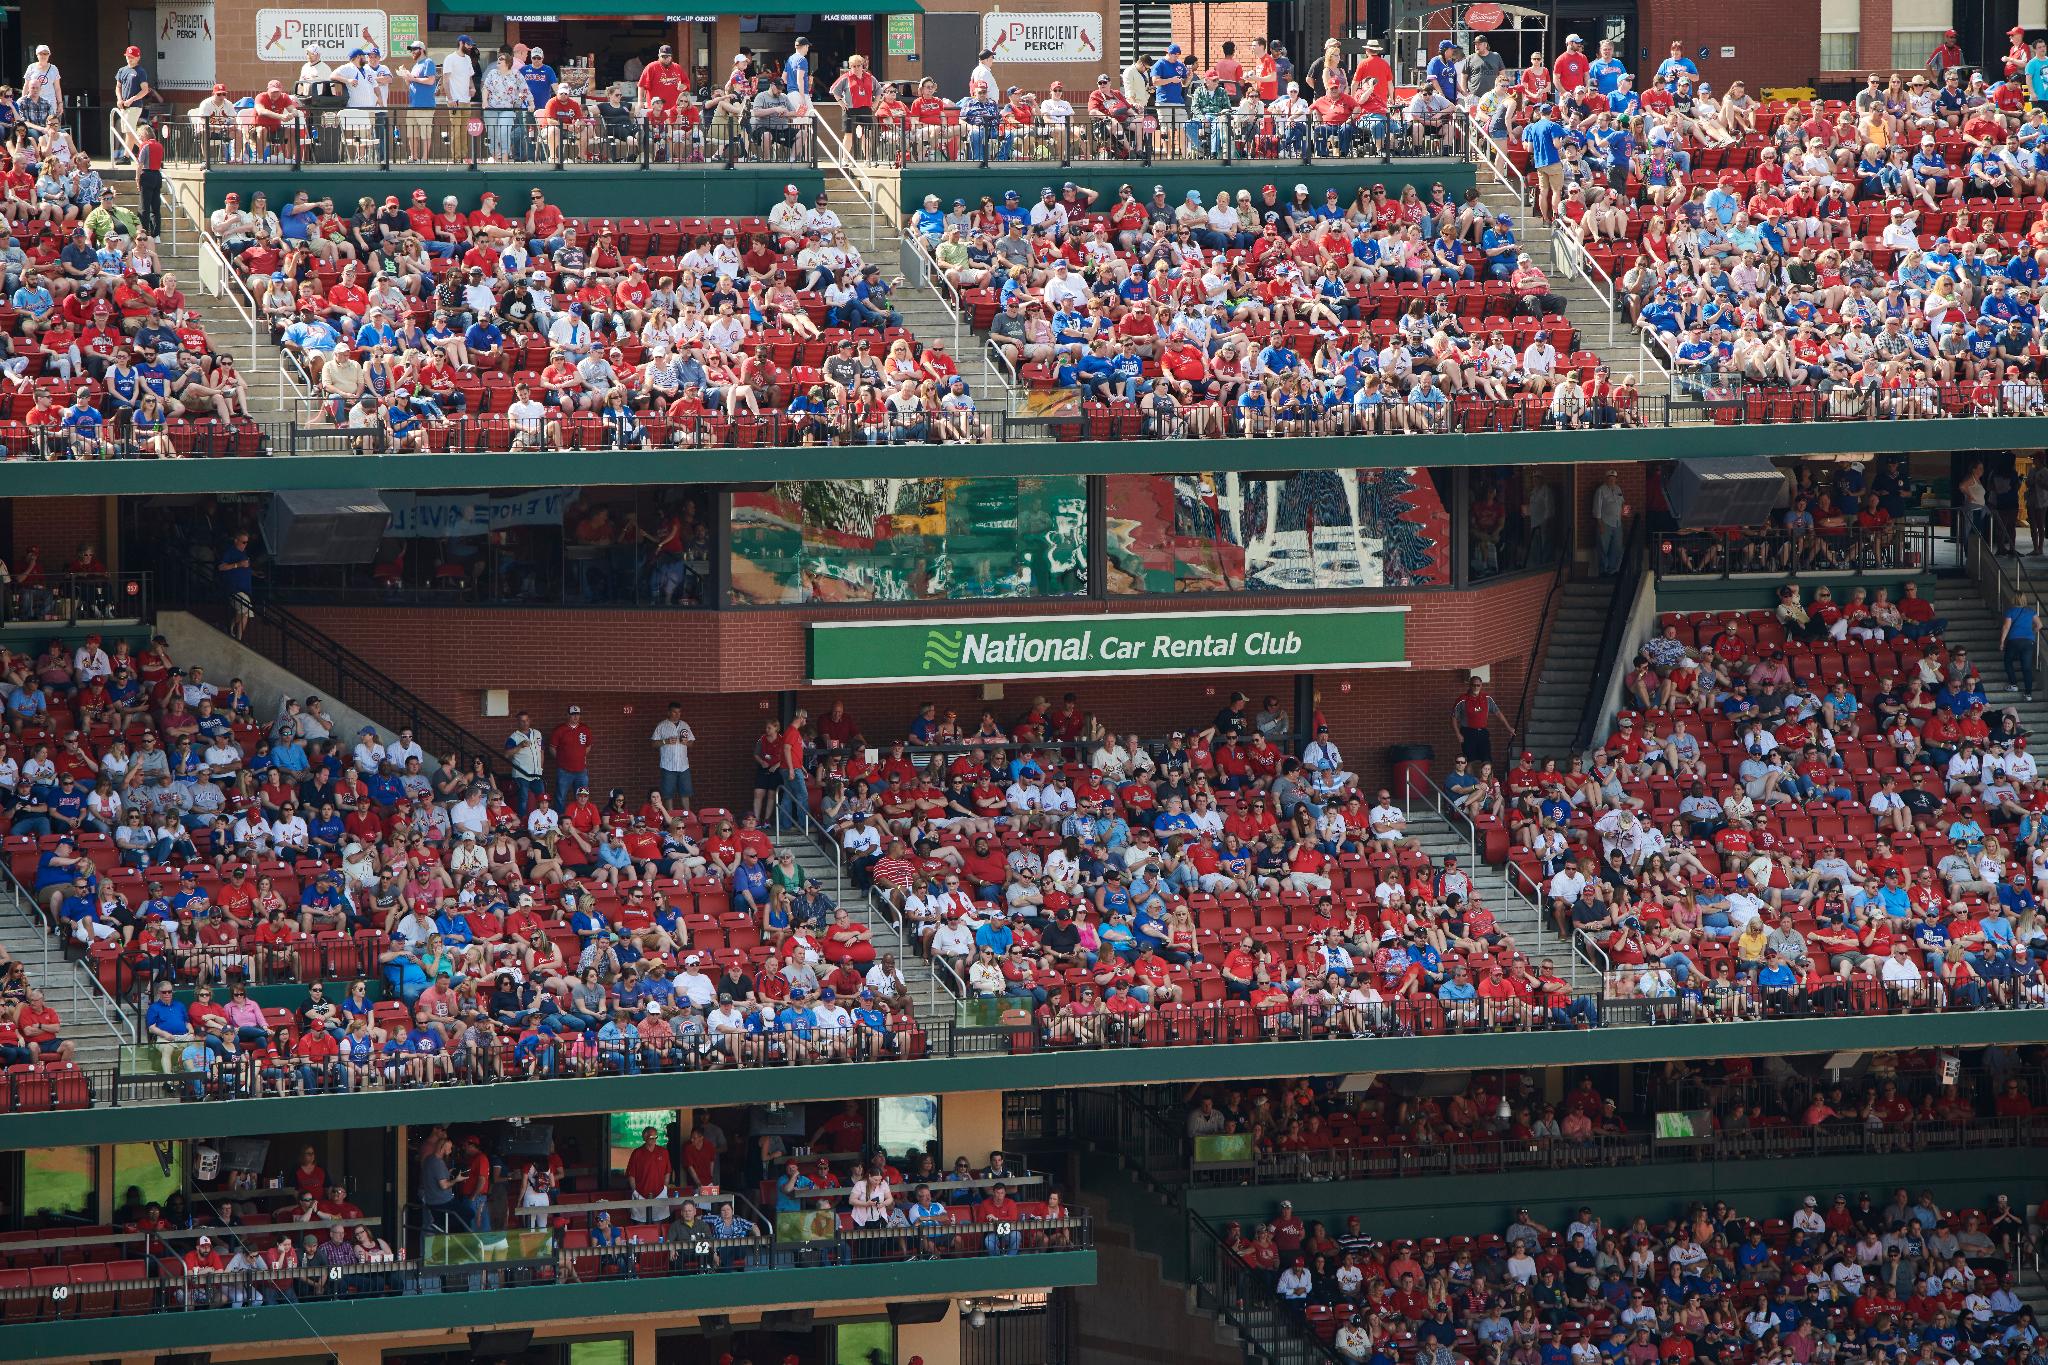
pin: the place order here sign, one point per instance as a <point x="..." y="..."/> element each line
<point x="1065" y="36"/>
<point x="1132" y="643"/>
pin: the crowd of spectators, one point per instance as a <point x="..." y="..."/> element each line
<point x="101" y="353"/>
<point x="1805" y="806"/>
<point x="1843" y="1277"/>
<point x="430" y="327"/>
<point x="1273" y="313"/>
<point x="512" y="106"/>
<point x="233" y="1239"/>
<point x="1306" y="1129"/>
<point x="1883" y="252"/>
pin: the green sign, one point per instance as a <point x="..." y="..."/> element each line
<point x="1158" y="642"/>
<point x="403" y="28"/>
<point x="625" y="1129"/>
<point x="1225" y="1149"/>
<point x="902" y="35"/>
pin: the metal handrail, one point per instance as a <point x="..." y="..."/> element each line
<point x="1547" y="625"/>
<point x="878" y="907"/>
<point x="2001" y="583"/>
<point x="375" y="690"/>
<point x="1626" y="582"/>
<point x="1240" y="1294"/>
<point x="1586" y="952"/>
<point x="1446" y="809"/>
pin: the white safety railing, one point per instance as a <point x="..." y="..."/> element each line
<point x="1650" y="357"/>
<point x="832" y="152"/>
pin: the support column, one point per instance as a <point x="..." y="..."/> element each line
<point x="643" y="1344"/>
<point x="938" y="1343"/>
<point x="970" y="1125"/>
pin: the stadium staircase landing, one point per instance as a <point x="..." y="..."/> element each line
<point x="866" y="204"/>
<point x="1513" y="911"/>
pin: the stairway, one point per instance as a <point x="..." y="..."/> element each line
<point x="1516" y="914"/>
<point x="1583" y="304"/>
<point x="934" y="1002"/>
<point x="1559" y="699"/>
<point x="866" y="204"/>
<point x="226" y="330"/>
<point x="1974" y="625"/>
<point x="66" y="984"/>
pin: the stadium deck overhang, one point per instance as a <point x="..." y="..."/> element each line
<point x="1038" y="458"/>
<point x="1045" y="1070"/>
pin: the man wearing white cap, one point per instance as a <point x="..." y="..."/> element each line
<point x="788" y="217"/>
<point x="316" y="77"/>
<point x="1572" y="66"/>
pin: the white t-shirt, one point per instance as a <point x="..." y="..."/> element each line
<point x="458" y="75"/>
<point x="529" y="416"/>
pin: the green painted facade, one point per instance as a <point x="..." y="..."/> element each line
<point x="938" y="1075"/>
<point x="1439" y="1206"/>
<point x="536" y="469"/>
<point x="585" y="191"/>
<point x="562" y="1306"/>
<point x="970" y="182"/>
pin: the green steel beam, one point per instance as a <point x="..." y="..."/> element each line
<point x="561" y="1306"/>
<point x="1030" y="1071"/>
<point x="533" y="469"/>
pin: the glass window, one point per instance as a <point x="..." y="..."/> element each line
<point x="1912" y="47"/>
<point x="906" y="1123"/>
<point x="1298" y="532"/>
<point x="1515" y="520"/>
<point x="1840" y="51"/>
<point x="59" y="1183"/>
<point x="910" y="540"/>
<point x="147" y="1173"/>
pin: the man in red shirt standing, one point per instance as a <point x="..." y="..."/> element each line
<point x="1571" y="68"/>
<point x="663" y="79"/>
<point x="1473" y="711"/>
<point x="571" y="744"/>
<point x="475" y="1186"/>
<point x="648" y="1171"/>
<point x="794" y="802"/>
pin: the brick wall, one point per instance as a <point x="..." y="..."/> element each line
<point x="56" y="526"/>
<point x="1201" y="31"/>
<point x="1775" y="44"/>
<point x="624" y="667"/>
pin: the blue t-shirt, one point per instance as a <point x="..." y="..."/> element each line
<point x="2021" y="621"/>
<point x="421" y="96"/>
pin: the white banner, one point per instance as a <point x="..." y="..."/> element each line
<point x="283" y="35"/>
<point x="1066" y="36"/>
<point x="431" y="516"/>
<point x="184" y="46"/>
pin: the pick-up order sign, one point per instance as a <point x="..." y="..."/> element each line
<point x="1136" y="643"/>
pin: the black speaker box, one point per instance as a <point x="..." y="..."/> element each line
<point x="924" y="1310"/>
<point x="325" y="526"/>
<point x="1738" y="490"/>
